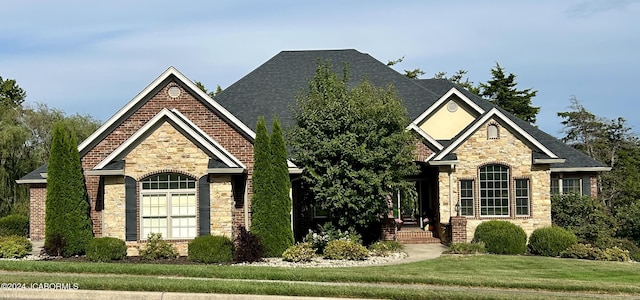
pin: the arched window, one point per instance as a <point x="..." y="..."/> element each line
<point x="168" y="206"/>
<point x="494" y="190"/>
<point x="492" y="132"/>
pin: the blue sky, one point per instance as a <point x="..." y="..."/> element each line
<point x="93" y="57"/>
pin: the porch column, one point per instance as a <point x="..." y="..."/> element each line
<point x="458" y="229"/>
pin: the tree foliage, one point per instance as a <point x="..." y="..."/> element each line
<point x="501" y="90"/>
<point x="281" y="206"/>
<point x="271" y="219"/>
<point x="67" y="206"/>
<point x="25" y="139"/>
<point x="413" y="74"/>
<point x="583" y="215"/>
<point x="211" y="94"/>
<point x="459" y="79"/>
<point x="352" y="145"/>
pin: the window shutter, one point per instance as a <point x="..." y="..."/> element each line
<point x="204" y="204"/>
<point x="586" y="186"/>
<point x="131" y="222"/>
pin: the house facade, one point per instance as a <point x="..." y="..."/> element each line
<point x="176" y="161"/>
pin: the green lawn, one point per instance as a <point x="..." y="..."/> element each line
<point x="447" y="273"/>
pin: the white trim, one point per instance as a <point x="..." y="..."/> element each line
<point x="479" y="122"/>
<point x="212" y="141"/>
<point x="43" y="175"/>
<point x="444" y="162"/>
<point x="548" y="160"/>
<point x="104" y="172"/>
<point x="28" y="181"/>
<point x="295" y="170"/>
<point x="425" y="135"/>
<point x="440" y="102"/>
<point x="157" y="118"/>
<point x="581" y="169"/>
<point x="225" y="171"/>
<point x="129" y="106"/>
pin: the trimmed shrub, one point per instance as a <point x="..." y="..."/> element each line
<point x="501" y="237"/>
<point x="14" y="246"/>
<point x="550" y="241"/>
<point x="157" y="248"/>
<point x="344" y="249"/>
<point x="14" y="225"/>
<point x="624" y="244"/>
<point x="384" y="248"/>
<point x="106" y="249"/>
<point x="248" y="247"/>
<point x="466" y="248"/>
<point x="211" y="249"/>
<point x="586" y="251"/>
<point x="302" y="252"/>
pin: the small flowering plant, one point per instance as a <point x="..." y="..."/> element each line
<point x="324" y="234"/>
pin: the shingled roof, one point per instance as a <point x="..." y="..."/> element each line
<point x="271" y="89"/>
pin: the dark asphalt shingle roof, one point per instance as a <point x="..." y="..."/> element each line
<point x="272" y="87"/>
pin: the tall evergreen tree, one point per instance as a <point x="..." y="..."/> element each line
<point x="501" y="91"/>
<point x="263" y="192"/>
<point x="67" y="224"/>
<point x="281" y="212"/>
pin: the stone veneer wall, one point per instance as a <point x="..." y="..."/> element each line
<point x="507" y="150"/>
<point x="221" y="216"/>
<point x="113" y="211"/>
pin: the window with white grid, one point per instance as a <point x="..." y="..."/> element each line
<point x="168" y="206"/>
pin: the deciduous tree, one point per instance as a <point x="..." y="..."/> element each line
<point x="352" y="145"/>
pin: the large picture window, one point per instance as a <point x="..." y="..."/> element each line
<point x="494" y="190"/>
<point x="168" y="206"/>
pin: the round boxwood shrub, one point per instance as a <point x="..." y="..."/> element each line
<point x="211" y="249"/>
<point x="501" y="237"/>
<point x="14" y="246"/>
<point x="345" y="249"/>
<point x="106" y="249"/>
<point x="551" y="241"/>
<point x="302" y="252"/>
<point x="14" y="225"/>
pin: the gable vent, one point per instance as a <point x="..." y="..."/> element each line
<point x="174" y="92"/>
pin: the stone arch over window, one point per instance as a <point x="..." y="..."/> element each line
<point x="493" y="131"/>
<point x="168" y="205"/>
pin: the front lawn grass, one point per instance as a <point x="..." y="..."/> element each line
<point x="481" y="271"/>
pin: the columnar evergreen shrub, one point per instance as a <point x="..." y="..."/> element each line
<point x="281" y="205"/>
<point x="106" y="249"/>
<point x="271" y="219"/>
<point x="501" y="237"/>
<point x="157" y="248"/>
<point x="345" y="249"/>
<point x="550" y="241"/>
<point x="14" y="225"/>
<point x="211" y="249"/>
<point x="14" y="246"/>
<point x="67" y="207"/>
<point x="302" y="252"/>
<point x="248" y="247"/>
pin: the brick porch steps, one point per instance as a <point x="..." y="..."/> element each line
<point x="415" y="235"/>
